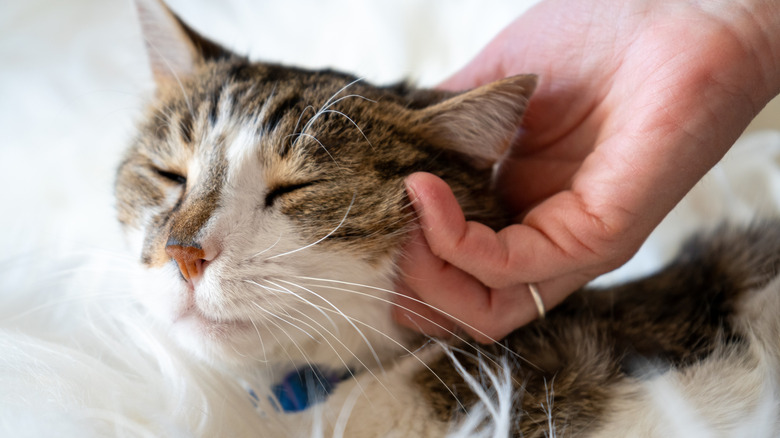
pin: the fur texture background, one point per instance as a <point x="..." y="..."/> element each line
<point x="75" y="351"/>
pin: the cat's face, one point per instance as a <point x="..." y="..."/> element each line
<point x="267" y="203"/>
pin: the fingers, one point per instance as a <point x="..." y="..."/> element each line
<point x="466" y="274"/>
<point x="457" y="297"/>
<point x="555" y="239"/>
<point x="453" y="298"/>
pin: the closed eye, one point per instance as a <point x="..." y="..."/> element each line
<point x="277" y="192"/>
<point x="171" y="176"/>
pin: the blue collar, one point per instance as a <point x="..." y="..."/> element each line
<point x="304" y="387"/>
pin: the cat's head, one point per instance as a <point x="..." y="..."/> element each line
<point x="267" y="203"/>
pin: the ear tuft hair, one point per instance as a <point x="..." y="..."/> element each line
<point x="174" y="48"/>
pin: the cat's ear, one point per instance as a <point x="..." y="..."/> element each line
<point x="174" y="48"/>
<point x="480" y="123"/>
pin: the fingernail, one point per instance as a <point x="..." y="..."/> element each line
<point x="416" y="203"/>
<point x="410" y="192"/>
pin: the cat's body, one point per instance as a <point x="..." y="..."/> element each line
<point x="268" y="205"/>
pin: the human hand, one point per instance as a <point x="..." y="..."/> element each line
<point x="636" y="101"/>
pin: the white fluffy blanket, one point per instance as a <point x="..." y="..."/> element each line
<point x="75" y="356"/>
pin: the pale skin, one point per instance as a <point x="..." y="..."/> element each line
<point x="636" y="101"/>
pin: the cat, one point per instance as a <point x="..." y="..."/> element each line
<point x="267" y="206"/>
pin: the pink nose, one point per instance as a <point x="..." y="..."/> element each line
<point x="190" y="260"/>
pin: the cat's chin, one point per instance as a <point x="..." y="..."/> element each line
<point x="222" y="342"/>
<point x="196" y="321"/>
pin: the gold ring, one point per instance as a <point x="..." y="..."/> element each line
<point x="537" y="299"/>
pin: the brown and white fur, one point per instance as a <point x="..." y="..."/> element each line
<point x="268" y="208"/>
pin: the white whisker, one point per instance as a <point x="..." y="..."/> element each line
<point x="353" y="123"/>
<point x="343" y="362"/>
<point x="300" y="116"/>
<point x="326" y="236"/>
<point x="303" y="134"/>
<point x="281" y="345"/>
<point x="362" y="335"/>
<point x="347" y="97"/>
<point x="267" y="249"/>
<point x="340" y="90"/>
<point x="324" y="106"/>
<point x="260" y="337"/>
<point x="284" y="290"/>
<point x="288" y="322"/>
<point x="334" y="336"/>
<point x="411" y="353"/>
<point x="295" y="344"/>
<point x="457" y="320"/>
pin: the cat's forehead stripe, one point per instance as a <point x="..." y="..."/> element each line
<point x="218" y="119"/>
<point x="280" y="108"/>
